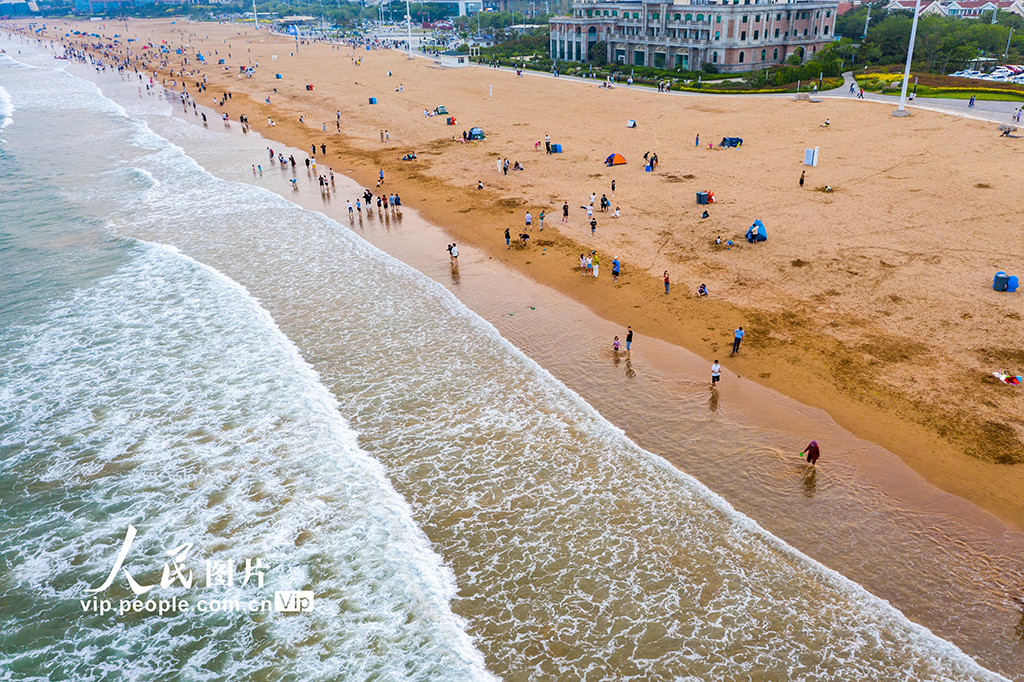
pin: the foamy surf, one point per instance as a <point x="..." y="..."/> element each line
<point x="173" y="402"/>
<point x="6" y="108"/>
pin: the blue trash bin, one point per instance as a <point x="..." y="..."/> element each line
<point x="1000" y="281"/>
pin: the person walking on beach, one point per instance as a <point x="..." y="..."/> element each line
<point x="540" y="218"/>
<point x="323" y="148"/>
<point x="629" y="337"/>
<point x="529" y="221"/>
<point x="565" y="212"/>
<point x="716" y="370"/>
<point x="615" y="269"/>
<point x="697" y="142"/>
<point x="499" y="164"/>
<point x="615" y="345"/>
<point x="665" y="277"/>
<point x="455" y="254"/>
<point x="508" y="239"/>
<point x="802" y="178"/>
<point x="813" y="452"/>
<point x="613" y="188"/>
<point x="596" y="264"/>
<point x="382" y="176"/>
<point x="737" y="338"/>
<point x="547" y="143"/>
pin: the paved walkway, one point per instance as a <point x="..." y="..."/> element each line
<point x="983" y="110"/>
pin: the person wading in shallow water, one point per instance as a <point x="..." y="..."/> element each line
<point x="813" y="453"/>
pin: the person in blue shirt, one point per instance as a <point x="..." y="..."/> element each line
<point x="615" y="269"/>
<point x="737" y="338"/>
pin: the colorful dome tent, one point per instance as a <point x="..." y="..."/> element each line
<point x="757" y="233"/>
<point x="476" y="134"/>
<point x="731" y="142"/>
<point x="615" y="160"/>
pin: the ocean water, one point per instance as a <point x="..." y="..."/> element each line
<point x="186" y="352"/>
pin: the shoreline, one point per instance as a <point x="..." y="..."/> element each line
<point x="661" y="365"/>
<point x="928" y="437"/>
<point x="668" y="376"/>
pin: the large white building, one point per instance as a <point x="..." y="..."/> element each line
<point x="732" y="36"/>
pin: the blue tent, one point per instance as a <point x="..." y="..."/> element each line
<point x="757" y="233"/>
<point x="731" y="142"/>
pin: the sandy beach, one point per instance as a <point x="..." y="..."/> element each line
<point x="872" y="301"/>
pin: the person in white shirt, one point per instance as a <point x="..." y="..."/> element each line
<point x="716" y="370"/>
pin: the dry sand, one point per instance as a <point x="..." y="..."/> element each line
<point x="873" y="301"/>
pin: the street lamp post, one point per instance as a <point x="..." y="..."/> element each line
<point x="901" y="111"/>
<point x="408" y="27"/>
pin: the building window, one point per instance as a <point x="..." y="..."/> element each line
<point x="654" y="16"/>
<point x="775" y="54"/>
<point x="826" y="30"/>
<point x="743" y="35"/>
<point x="828" y="13"/>
<point x="677" y="17"/>
<point x="764" y="54"/>
<point x="757" y="18"/>
<point x="755" y="34"/>
<point x="606" y="12"/>
<point x="700" y="17"/>
<point x="805" y="31"/>
<point x="778" y="17"/>
<point x="714" y="57"/>
<point x="745" y="17"/>
<point x="590" y="13"/>
<point x="636" y="15"/>
<point x="689" y="17"/>
<point x="615" y="12"/>
<point x="776" y="33"/>
<point x="741" y="57"/>
<point x="718" y="34"/>
<point x="718" y="19"/>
